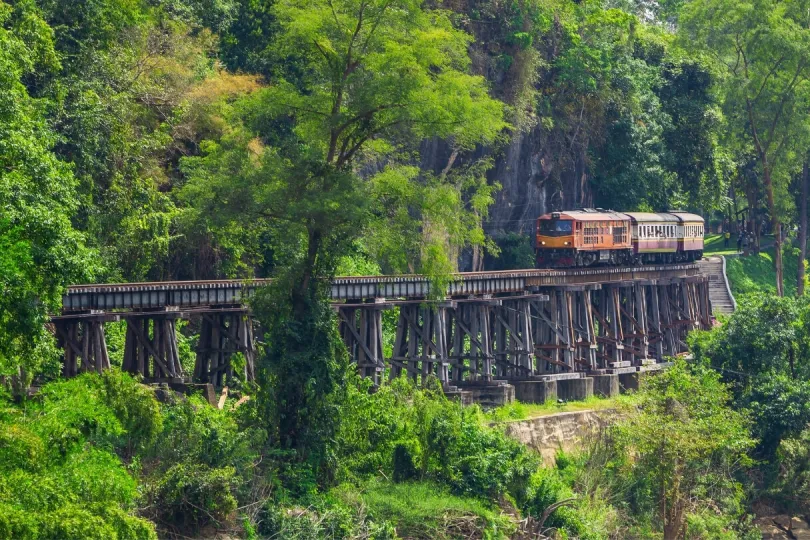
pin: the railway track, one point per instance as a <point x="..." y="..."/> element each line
<point x="402" y="287"/>
<point x="515" y="324"/>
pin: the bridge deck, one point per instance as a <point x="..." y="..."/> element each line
<point x="190" y="294"/>
<point x="516" y="325"/>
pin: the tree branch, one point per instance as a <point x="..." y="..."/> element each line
<point x="375" y="25"/>
<point x="768" y="76"/>
<point x="788" y="91"/>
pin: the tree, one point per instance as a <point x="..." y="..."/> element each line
<point x="780" y="408"/>
<point x="687" y="442"/>
<point x="763" y="47"/>
<point x="372" y="79"/>
<point x="766" y="336"/>
<point x="40" y="251"/>
<point x="803" y="195"/>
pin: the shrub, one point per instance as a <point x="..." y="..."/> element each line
<point x="780" y="408"/>
<point x="408" y="432"/>
<point x="547" y="487"/>
<point x="201" y="463"/>
<point x="792" y="486"/>
<point x="190" y="496"/>
<point x="59" y="476"/>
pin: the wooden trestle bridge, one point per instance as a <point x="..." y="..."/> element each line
<point x="515" y="325"/>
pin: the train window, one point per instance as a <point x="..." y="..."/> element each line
<point x="591" y="234"/>
<point x="555" y="226"/>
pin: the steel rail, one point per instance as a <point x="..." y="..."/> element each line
<point x="187" y="294"/>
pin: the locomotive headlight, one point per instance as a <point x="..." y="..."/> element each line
<point x="565" y="243"/>
<point x="542" y="243"/>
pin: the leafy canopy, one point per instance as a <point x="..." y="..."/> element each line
<point x="40" y="251"/>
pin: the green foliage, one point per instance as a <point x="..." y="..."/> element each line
<point x="761" y="49"/>
<point x="522" y="411"/>
<point x="407" y="432"/>
<point x="420" y="222"/>
<point x="792" y="486"/>
<point x="199" y="465"/>
<point x="59" y="477"/>
<point x="584" y="516"/>
<point x="404" y="77"/>
<point x="190" y="496"/>
<point x="670" y="464"/>
<point x="301" y="374"/>
<point x="111" y="410"/>
<point x="780" y="408"/>
<point x="40" y="251"/>
<point x="516" y="251"/>
<point x="687" y="444"/>
<point x="766" y="335"/>
<point x="340" y="514"/>
<point x="379" y="509"/>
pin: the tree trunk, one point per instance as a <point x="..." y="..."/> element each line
<point x="777" y="228"/>
<point x="19" y="384"/>
<point x="301" y="297"/>
<point x="734" y="208"/>
<point x="802" y="232"/>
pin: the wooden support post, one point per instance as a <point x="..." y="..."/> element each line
<point x="641" y="319"/>
<point x="440" y="338"/>
<point x="655" y="318"/>
<point x="500" y="347"/>
<point x="486" y="342"/>
<point x="458" y="344"/>
<point x="528" y="336"/>
<point x="568" y="330"/>
<point x="589" y="332"/>
<point x="666" y="320"/>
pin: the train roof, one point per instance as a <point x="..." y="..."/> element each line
<point x="590" y="214"/>
<point x="686" y="216"/>
<point x="587" y="215"/>
<point x="647" y="217"/>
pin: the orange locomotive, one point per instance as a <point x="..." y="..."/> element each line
<point x="587" y="237"/>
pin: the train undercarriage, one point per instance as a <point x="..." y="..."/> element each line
<point x="572" y="258"/>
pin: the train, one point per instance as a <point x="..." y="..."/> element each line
<point x="593" y="236"/>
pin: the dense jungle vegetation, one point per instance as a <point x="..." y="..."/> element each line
<point x="294" y="139"/>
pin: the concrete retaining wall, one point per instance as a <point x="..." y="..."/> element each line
<point x="547" y="434"/>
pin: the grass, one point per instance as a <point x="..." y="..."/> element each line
<point x="523" y="411"/>
<point x="756" y="273"/>
<point x="425" y="510"/>
<point x="713" y="245"/>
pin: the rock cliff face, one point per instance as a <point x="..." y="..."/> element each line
<point x="530" y="185"/>
<point x="563" y="431"/>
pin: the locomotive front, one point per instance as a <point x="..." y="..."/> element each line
<point x="583" y="237"/>
<point x="555" y="240"/>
